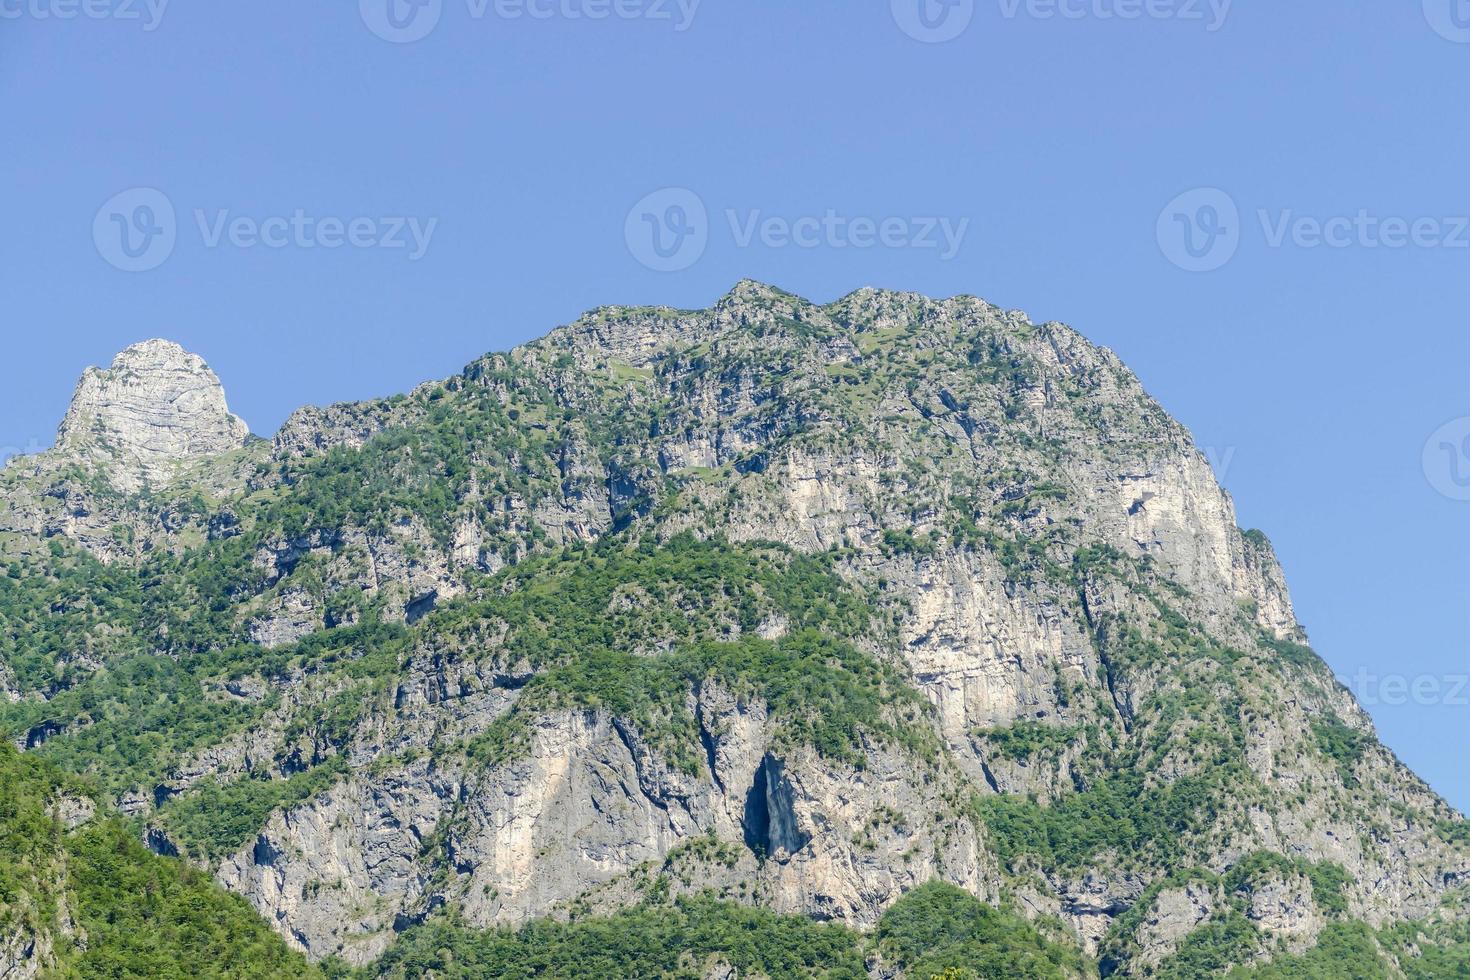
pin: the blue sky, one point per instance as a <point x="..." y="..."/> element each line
<point x="354" y="212"/>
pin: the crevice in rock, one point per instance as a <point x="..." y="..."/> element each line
<point x="38" y="734"/>
<point x="264" y="853"/>
<point x="157" y="842"/>
<point x="1110" y="673"/>
<point x="989" y="777"/>
<point x="707" y="739"/>
<point x="421" y="607"/>
<point x="770" y="825"/>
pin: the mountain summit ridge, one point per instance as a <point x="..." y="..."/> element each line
<point x="804" y="605"/>
<point x="157" y="406"/>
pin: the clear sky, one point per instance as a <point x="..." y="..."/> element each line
<point x="1260" y="205"/>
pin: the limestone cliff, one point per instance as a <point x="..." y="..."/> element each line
<point x="803" y="604"/>
<point x="156" y="409"/>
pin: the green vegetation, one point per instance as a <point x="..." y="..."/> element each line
<point x="1229" y="938"/>
<point x="1434" y="950"/>
<point x="142" y="916"/>
<point x="1329" y="881"/>
<point x="673" y="941"/>
<point x="1344" y="951"/>
<point x="213" y="821"/>
<point x="151" y="917"/>
<point x="1029" y="739"/>
<point x="1123" y="813"/>
<point x="1343" y="745"/>
<point x="938" y="928"/>
<point x="131" y="667"/>
<point x="1212" y="948"/>
<point x="631" y="631"/>
<point x="932" y="929"/>
<point x="130" y="723"/>
<point x="1431" y="950"/>
<point x="821" y="692"/>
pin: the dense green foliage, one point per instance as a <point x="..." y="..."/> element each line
<point x="214" y="820"/>
<point x="152" y="917"/>
<point x="1124" y="813"/>
<point x="143" y="916"/>
<point x="1212" y="948"/>
<point x="632" y="630"/>
<point x="938" y="927"/>
<point x="930" y="930"/>
<point x="673" y="941"/>
<point x="1029" y="739"/>
<point x="1345" y="951"/>
<point x="1343" y="745"/>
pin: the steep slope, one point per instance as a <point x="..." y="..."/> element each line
<point x="801" y="606"/>
<point x="81" y="897"/>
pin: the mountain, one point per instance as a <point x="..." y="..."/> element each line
<point x="906" y="634"/>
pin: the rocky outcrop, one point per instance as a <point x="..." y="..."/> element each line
<point x="156" y="409"/>
<point x="24" y="954"/>
<point x="586" y="809"/>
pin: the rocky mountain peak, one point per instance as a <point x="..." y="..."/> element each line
<point x="157" y="406"/>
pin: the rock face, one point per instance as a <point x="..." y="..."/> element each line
<point x="588" y="807"/>
<point x="1108" y="704"/>
<point x="157" y="407"/>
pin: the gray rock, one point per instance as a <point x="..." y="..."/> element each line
<point x="156" y="408"/>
